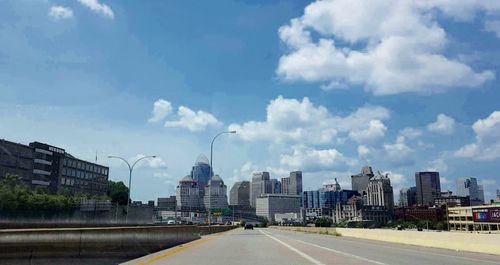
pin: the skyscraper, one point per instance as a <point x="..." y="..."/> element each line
<point x="261" y="184"/>
<point x="428" y="187"/>
<point x="240" y="194"/>
<point x="285" y="185"/>
<point x="295" y="183"/>
<point x="188" y="194"/>
<point x="408" y="197"/>
<point x="467" y="186"/>
<point x="360" y="181"/>
<point x="275" y="186"/>
<point x="201" y="171"/>
<point x="480" y="193"/>
<point x="217" y="197"/>
<point x="379" y="192"/>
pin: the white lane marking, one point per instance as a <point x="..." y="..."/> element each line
<point x="421" y="252"/>
<point x="304" y="255"/>
<point x="359" y="241"/>
<point x="341" y="252"/>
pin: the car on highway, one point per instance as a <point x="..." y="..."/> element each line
<point x="249" y="226"/>
<point x="171" y="222"/>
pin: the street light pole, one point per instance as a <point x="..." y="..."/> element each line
<point x="211" y="175"/>
<point x="130" y="168"/>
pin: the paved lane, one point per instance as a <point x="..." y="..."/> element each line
<point x="273" y="247"/>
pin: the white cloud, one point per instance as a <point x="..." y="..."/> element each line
<point x="161" y="109"/>
<point x="98" y="7"/>
<point x="389" y="47"/>
<point x="292" y="120"/>
<point x="442" y="125"/>
<point x="438" y="165"/>
<point x="487" y="144"/>
<point x="309" y="159"/>
<point x="444" y="180"/>
<point x="60" y="12"/>
<point x="375" y="130"/>
<point x="193" y="121"/>
<point x="493" y="26"/>
<point x="410" y="133"/>
<point x="156" y="162"/>
<point x="363" y="151"/>
<point x="398" y="153"/>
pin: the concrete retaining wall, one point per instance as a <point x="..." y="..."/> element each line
<point x="127" y="242"/>
<point x="482" y="243"/>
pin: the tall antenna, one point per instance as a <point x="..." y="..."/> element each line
<point x="96" y="156"/>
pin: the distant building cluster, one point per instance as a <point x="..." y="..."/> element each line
<point x="52" y="168"/>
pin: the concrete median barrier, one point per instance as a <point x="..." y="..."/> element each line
<point x="126" y="242"/>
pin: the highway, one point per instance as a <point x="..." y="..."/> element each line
<point x="273" y="247"/>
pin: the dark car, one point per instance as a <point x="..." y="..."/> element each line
<point x="248" y="226"/>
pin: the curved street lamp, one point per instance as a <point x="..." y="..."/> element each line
<point x="131" y="168"/>
<point x="212" y="173"/>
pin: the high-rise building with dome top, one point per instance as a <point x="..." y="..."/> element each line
<point x="188" y="194"/>
<point x="217" y="194"/>
<point x="201" y="171"/>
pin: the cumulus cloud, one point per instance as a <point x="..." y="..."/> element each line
<point x="442" y="125"/>
<point x="487" y="144"/>
<point x="292" y="120"/>
<point x="193" y="120"/>
<point x="60" y="12"/>
<point x="156" y="162"/>
<point x="161" y="109"/>
<point x="398" y="153"/>
<point x="387" y="46"/>
<point x="309" y="159"/>
<point x="410" y="133"/>
<point x="363" y="151"/>
<point x="98" y="7"/>
<point x="438" y="165"/>
<point x="376" y="130"/>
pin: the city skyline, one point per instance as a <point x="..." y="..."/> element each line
<point x="162" y="94"/>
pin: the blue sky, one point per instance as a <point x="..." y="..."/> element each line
<point x="324" y="87"/>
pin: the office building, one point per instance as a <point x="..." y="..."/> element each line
<point x="50" y="167"/>
<point x="452" y="201"/>
<point x="360" y="181"/>
<point x="408" y="197"/>
<point x="215" y="194"/>
<point x="166" y="204"/>
<point x="354" y="211"/>
<point x="188" y="194"/>
<point x="498" y="196"/>
<point x="480" y="193"/>
<point x="292" y="184"/>
<point x="428" y="187"/>
<point x="17" y="159"/>
<point x="379" y="192"/>
<point x="420" y="213"/>
<point x="480" y="218"/>
<point x="240" y="194"/>
<point x="295" y="183"/>
<point x="285" y="185"/>
<point x="467" y="186"/>
<point x="268" y="205"/>
<point x="261" y="184"/>
<point x="323" y="198"/>
<point x="201" y="171"/>
<point x="275" y="186"/>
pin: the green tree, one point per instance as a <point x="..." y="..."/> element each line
<point x="118" y="192"/>
<point x="323" y="222"/>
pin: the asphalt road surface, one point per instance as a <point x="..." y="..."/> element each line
<point x="270" y="246"/>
